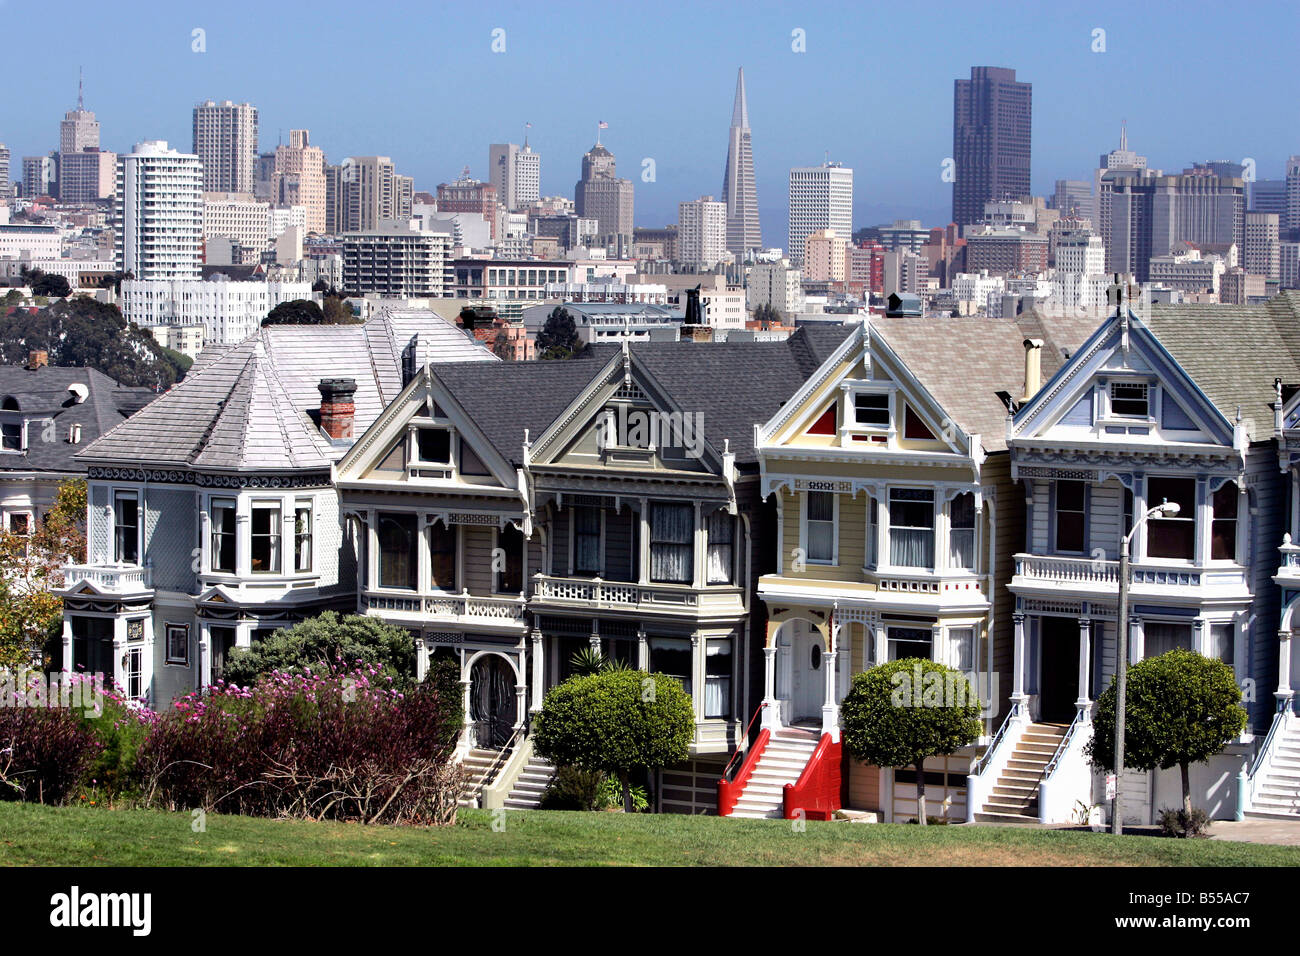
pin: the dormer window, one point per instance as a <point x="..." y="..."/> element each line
<point x="434" y="445"/>
<point x="1130" y="399"/>
<point x="11" y="435"/>
<point x="871" y="409"/>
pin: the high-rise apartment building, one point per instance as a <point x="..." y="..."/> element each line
<point x="39" y="176"/>
<point x="4" y="172"/>
<point x="516" y="173"/>
<point x="239" y="218"/>
<point x="991" y="140"/>
<point x="701" y="232"/>
<point x="297" y="178"/>
<point x="824" y="256"/>
<point x="821" y="197"/>
<point x="1293" y="197"/>
<point x="738" y="190"/>
<point x="471" y="196"/>
<point x="363" y="191"/>
<point x="778" y="284"/>
<point x="225" y="140"/>
<point x="1261" y="251"/>
<point x="1073" y="197"/>
<point x="602" y="196"/>
<point x="158" y="212"/>
<point x="395" y="261"/>
<point x="87" y="176"/>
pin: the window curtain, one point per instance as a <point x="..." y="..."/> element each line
<point x="911" y="528"/>
<point x="397" y="556"/>
<point x="717" y="679"/>
<point x="961" y="535"/>
<point x="821" y="526"/>
<point x="1160" y="637"/>
<point x="721" y="528"/>
<point x="1222" y="644"/>
<point x="671" y="529"/>
<point x="961" y="648"/>
<point x="586" y="541"/>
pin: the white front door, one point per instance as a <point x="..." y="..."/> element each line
<point x="809" y="666"/>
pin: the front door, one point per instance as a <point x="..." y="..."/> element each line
<point x="1058" y="683"/>
<point x="222" y="642"/>
<point x="492" y="701"/>
<point x="809" y="665"/>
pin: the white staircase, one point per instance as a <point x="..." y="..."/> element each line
<point x="532" y="782"/>
<point x="787" y="752"/>
<point x="476" y="763"/>
<point x="1277" y="795"/>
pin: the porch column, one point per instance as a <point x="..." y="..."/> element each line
<point x="205" y="657"/>
<point x="466" y="737"/>
<point x="642" y="650"/>
<point x="67" y="647"/>
<point x="1285" y="695"/>
<point x="1084" y="700"/>
<point x="697" y="676"/>
<point x="1018" y="696"/>
<point x="521" y="685"/>
<point x="594" y="640"/>
<point x="830" y="712"/>
<point x="539" y="671"/>
<point x="771" y="719"/>
<point x="119" y="652"/>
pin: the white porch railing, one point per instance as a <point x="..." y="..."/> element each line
<point x="461" y="608"/>
<point x="117" y="578"/>
<point x="1067" y="782"/>
<point x="1102" y="574"/>
<point x="1249" y="781"/>
<point x="986" y="770"/>
<point x="622" y="594"/>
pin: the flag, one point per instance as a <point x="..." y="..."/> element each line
<point x="528" y="126"/>
<point x="602" y="125"/>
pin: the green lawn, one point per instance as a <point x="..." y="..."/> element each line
<point x="99" y="837"/>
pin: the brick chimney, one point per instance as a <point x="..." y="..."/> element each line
<point x="697" y="333"/>
<point x="337" y="409"/>
<point x="38" y="358"/>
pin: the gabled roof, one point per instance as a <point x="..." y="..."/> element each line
<point x="249" y="406"/>
<point x="42" y="395"/>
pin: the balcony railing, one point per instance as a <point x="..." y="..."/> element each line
<point x="1099" y="574"/>
<point x="621" y="594"/>
<point x="461" y="608"/>
<point x="115" y="578"/>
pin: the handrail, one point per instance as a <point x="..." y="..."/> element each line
<point x="1261" y="758"/>
<point x="987" y="756"/>
<point x="817" y="790"/>
<point x="499" y="760"/>
<point x="1065" y="742"/>
<point x="729" y="791"/>
<point x="748" y="727"/>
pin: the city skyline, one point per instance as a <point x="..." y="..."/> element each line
<point x="897" y="133"/>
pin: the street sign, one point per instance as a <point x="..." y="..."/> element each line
<point x="1110" y="786"/>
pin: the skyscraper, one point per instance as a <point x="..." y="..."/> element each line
<point x="158" y="213"/>
<point x="991" y="140"/>
<point x="298" y="178"/>
<point x="363" y="191"/>
<point x="4" y="171"/>
<point x="516" y="173"/>
<point x="738" y="191"/>
<point x="1293" y="197"/>
<point x="225" y="140"/>
<point x="821" y="197"/>
<point x="79" y="130"/>
<point x="602" y="196"/>
<point x="701" y="232"/>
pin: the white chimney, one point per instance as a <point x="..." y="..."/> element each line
<point x="1033" y="368"/>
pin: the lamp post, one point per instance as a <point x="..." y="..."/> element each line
<point x="1166" y="509"/>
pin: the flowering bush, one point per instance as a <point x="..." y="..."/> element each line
<point x="44" y="753"/>
<point x="341" y="745"/>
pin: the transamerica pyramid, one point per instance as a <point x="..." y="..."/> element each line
<point x="743" y="232"/>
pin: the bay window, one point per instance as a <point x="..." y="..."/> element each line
<point x="672" y="656"/>
<point x="586" y="541"/>
<point x="264" y="539"/>
<point x="873" y="532"/>
<point x="221" y="519"/>
<point x="1223" y="525"/>
<point x="820" y="541"/>
<point x="398" y="551"/>
<point x="126" y="527"/>
<point x="910" y="642"/>
<point x="717" y="679"/>
<point x="911" y="528"/>
<point x="961" y="531"/>
<point x="1223" y="644"/>
<point x="721" y="529"/>
<point x="1160" y="637"/>
<point x="302" y="536"/>
<point x="442" y="556"/>
<point x="1172" y="537"/>
<point x="961" y="648"/>
<point x="510" y="578"/>
<point x="671" y="531"/>
<point x="1071" y="516"/>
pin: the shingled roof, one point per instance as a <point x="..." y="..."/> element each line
<point x="733" y="385"/>
<point x="43" y="396"/>
<point x="250" y="406"/>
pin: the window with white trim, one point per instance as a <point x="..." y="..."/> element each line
<point x="871" y="409"/>
<point x="820" y="521"/>
<point x="721" y="530"/>
<point x="178" y="644"/>
<point x="1130" y="399"/>
<point x="264" y="539"/>
<point x="961" y="531"/>
<point x="126" y="527"/>
<point x="911" y="527"/>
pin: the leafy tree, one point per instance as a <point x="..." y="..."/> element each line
<point x="11" y="298"/>
<point x="320" y="285"/>
<point x="53" y="286"/>
<point x="327" y="642"/>
<point x="502" y="347"/>
<point x="85" y="333"/>
<point x="1180" y="708"/>
<point x="31" y="616"/>
<point x="618" y="721"/>
<point x="295" y="312"/>
<point x="336" y="311"/>
<point x="768" y="314"/>
<point x="898" y="714"/>
<point x="558" y="338"/>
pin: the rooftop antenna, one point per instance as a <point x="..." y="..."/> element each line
<point x="527" y="127"/>
<point x="1123" y="135"/>
<point x="79" y="88"/>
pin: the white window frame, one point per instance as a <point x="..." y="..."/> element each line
<point x="211" y="557"/>
<point x="10" y="417"/>
<point x="573" y="538"/>
<point x="850" y="425"/>
<point x="114" y="496"/>
<point x="1110" y="416"/>
<point x="937" y="508"/>
<point x="310" y="505"/>
<point x="835" y="528"/>
<point x="261" y="504"/>
<point x="168" y="659"/>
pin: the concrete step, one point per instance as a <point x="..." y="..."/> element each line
<point x="988" y="817"/>
<point x="1006" y="806"/>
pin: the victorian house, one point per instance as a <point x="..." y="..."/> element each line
<point x="515" y="515"/>
<point x="212" y="516"/>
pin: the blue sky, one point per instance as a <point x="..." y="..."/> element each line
<point x="421" y="83"/>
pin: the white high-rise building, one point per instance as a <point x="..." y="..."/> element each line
<point x="225" y="140"/>
<point x="821" y="197"/>
<point x="1081" y="253"/>
<point x="776" y="283"/>
<point x="516" y="173"/>
<point x="158" y="212"/>
<point x="1260" y="252"/>
<point x="701" y="232"/>
<point x="229" y="311"/>
<point x="240" y="218"/>
<point x="1293" y="197"/>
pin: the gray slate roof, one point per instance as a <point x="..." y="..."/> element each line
<point x="42" y="394"/>
<point x="247" y="406"/>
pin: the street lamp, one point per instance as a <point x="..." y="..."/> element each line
<point x="1166" y="509"/>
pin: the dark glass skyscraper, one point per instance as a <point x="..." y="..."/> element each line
<point x="991" y="140"/>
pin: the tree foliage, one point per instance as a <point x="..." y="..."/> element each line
<point x="616" y="721"/>
<point x="86" y="333"/>
<point x="1180" y="708"/>
<point x="327" y="642"/>
<point x="336" y="311"/>
<point x="43" y="283"/>
<point x="558" y="338"/>
<point x="295" y="312"/>
<point x="768" y="315"/>
<point x="31" y="616"/>
<point x="900" y="713"/>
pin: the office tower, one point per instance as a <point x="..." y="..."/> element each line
<point x="396" y="261"/>
<point x="602" y="196"/>
<point x="225" y="140"/>
<point x="4" y="172"/>
<point x="824" y="256"/>
<point x="158" y="213"/>
<point x="1267" y="195"/>
<point x="1261" y="252"/>
<point x="738" y="190"/>
<point x="297" y="178"/>
<point x="991" y="140"/>
<point x="39" y="176"/>
<point x="516" y="173"/>
<point x="466" y="195"/>
<point x="363" y="191"/>
<point x="1073" y="197"/>
<point x="701" y="232"/>
<point x="821" y="197"/>
<point x="87" y="176"/>
<point x="1122" y="161"/>
<point x="1293" y="197"/>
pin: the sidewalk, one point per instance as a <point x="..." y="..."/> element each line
<point x="1277" y="832"/>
